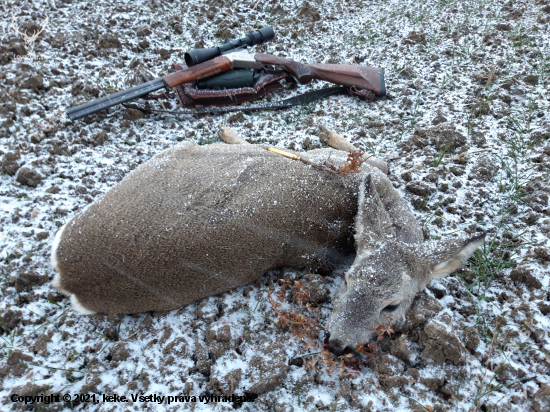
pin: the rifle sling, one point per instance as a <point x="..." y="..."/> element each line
<point x="293" y="101"/>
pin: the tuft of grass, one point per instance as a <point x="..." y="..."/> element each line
<point x="520" y="37"/>
<point x="251" y="316"/>
<point x="332" y="405"/>
<point x="542" y="66"/>
<point x="354" y="40"/>
<point x="511" y="189"/>
<point x="9" y="342"/>
<point x="487" y="385"/>
<point x="440" y="156"/>
<point x="496" y="255"/>
<point x="520" y="121"/>
<point x="432" y="213"/>
<point x="488" y="261"/>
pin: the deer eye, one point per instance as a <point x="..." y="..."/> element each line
<point x="390" y="308"/>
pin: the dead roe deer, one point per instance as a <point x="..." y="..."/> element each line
<point x="195" y="221"/>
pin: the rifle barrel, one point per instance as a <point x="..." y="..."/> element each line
<point x="114" y="99"/>
<point x="206" y="69"/>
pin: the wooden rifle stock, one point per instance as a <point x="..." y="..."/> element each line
<point x="360" y="77"/>
<point x="199" y="71"/>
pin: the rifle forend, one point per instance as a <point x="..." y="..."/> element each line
<point x="209" y="68"/>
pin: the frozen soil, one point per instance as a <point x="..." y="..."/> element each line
<point x="466" y="130"/>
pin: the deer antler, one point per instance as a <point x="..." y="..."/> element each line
<point x="14" y="17"/>
<point x="44" y="24"/>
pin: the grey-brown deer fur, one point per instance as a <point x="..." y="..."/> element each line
<point x="195" y="221"/>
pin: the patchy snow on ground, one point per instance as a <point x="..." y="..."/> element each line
<point x="465" y="129"/>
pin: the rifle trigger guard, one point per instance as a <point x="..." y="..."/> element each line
<point x="363" y="94"/>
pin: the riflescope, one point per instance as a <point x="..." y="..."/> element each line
<point x="251" y="39"/>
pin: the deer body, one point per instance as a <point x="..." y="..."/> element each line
<point x="198" y="220"/>
<point x="195" y="221"/>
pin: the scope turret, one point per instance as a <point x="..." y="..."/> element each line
<point x="251" y="39"/>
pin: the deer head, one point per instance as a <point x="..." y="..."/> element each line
<point x="386" y="275"/>
<point x="29" y="40"/>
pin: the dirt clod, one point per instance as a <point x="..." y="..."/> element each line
<point x="394" y="381"/>
<point x="420" y="188"/>
<point x="423" y="308"/>
<point x="30" y="81"/>
<point x="314" y="284"/>
<point x="471" y="338"/>
<point x="28" y="279"/>
<point x="270" y="366"/>
<point x="542" y="253"/>
<point x="389" y="365"/>
<point x="441" y="342"/>
<point x="101" y="137"/>
<point x="10" y="162"/>
<point x="143" y="31"/>
<point x="525" y="275"/>
<point x="484" y="170"/>
<point x="120" y="352"/>
<point x="308" y="13"/>
<point x="399" y="348"/>
<point x="29" y="177"/>
<point x="108" y="41"/>
<point x="16" y="365"/>
<point x="41" y="344"/>
<point x="133" y="114"/>
<point x="432" y="384"/>
<point x="417" y="37"/>
<point x="542" y="399"/>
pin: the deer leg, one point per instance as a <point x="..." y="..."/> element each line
<point x="336" y="141"/>
<point x="230" y="136"/>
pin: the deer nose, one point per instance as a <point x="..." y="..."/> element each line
<point x="337" y="347"/>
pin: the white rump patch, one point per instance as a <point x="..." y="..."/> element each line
<point x="77" y="306"/>
<point x="56" y="283"/>
<point x="53" y="258"/>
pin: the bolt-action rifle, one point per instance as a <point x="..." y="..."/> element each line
<point x="205" y="63"/>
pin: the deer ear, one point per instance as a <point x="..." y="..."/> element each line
<point x="372" y="221"/>
<point x="445" y="256"/>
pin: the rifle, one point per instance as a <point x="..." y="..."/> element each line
<point x="194" y="57"/>
<point x="363" y="81"/>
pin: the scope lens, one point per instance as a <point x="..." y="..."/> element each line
<point x="267" y="33"/>
<point x="261" y="36"/>
<point x="188" y="59"/>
